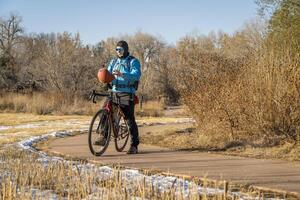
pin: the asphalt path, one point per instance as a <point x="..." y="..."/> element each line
<point x="275" y="174"/>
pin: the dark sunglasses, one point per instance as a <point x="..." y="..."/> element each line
<point x="119" y="49"/>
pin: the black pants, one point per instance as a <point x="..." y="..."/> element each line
<point x="128" y="111"/>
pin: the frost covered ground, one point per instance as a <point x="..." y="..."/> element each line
<point x="20" y="126"/>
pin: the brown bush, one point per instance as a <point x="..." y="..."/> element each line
<point x="276" y="93"/>
<point x="250" y="99"/>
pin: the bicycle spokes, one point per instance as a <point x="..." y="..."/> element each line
<point x="122" y="134"/>
<point x="123" y="131"/>
<point x="99" y="133"/>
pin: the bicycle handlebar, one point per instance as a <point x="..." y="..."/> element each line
<point x="94" y="94"/>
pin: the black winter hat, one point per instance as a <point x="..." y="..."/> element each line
<point x="124" y="45"/>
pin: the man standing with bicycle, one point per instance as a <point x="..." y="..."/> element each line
<point x="127" y="72"/>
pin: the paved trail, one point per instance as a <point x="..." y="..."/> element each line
<point x="267" y="173"/>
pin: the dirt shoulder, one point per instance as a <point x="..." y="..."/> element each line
<point x="192" y="139"/>
<point x="189" y="139"/>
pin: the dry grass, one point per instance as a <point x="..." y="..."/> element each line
<point x="11" y="119"/>
<point x="46" y="103"/>
<point x="59" y="104"/>
<point x="182" y="139"/>
<point x="20" y="126"/>
<point x="25" y="173"/>
<point x="24" y="176"/>
<point x="191" y="139"/>
<point x="287" y="151"/>
<point x="151" y="109"/>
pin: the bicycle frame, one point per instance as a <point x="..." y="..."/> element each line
<point x="109" y="107"/>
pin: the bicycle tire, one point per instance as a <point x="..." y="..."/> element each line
<point x="103" y="117"/>
<point x="123" y="126"/>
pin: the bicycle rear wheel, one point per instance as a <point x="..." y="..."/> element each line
<point x="122" y="135"/>
<point x="99" y="133"/>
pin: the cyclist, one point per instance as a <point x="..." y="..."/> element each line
<point x="127" y="72"/>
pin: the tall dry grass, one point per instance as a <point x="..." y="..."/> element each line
<point x="46" y="103"/>
<point x="24" y="176"/>
<point x="61" y="104"/>
<point x="151" y="109"/>
<point x="275" y="94"/>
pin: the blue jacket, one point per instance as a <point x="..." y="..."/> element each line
<point x="131" y="70"/>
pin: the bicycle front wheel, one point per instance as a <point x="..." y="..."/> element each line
<point x="122" y="135"/>
<point x="99" y="133"/>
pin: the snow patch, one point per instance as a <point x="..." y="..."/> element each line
<point x="177" y="121"/>
<point x="4" y="128"/>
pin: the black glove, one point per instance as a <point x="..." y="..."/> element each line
<point x="108" y="86"/>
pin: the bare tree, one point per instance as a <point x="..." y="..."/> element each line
<point x="10" y="32"/>
<point x="62" y="63"/>
<point x="147" y="48"/>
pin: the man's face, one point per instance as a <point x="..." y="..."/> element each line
<point x="120" y="51"/>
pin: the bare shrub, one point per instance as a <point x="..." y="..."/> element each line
<point x="211" y="88"/>
<point x="238" y="91"/>
<point x="276" y="93"/>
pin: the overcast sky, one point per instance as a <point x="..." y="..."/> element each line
<point x="97" y="20"/>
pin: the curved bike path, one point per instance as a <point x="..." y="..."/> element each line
<point x="275" y="174"/>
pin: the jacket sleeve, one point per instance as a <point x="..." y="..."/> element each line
<point x="111" y="65"/>
<point x="135" y="71"/>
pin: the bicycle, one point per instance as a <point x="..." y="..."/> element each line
<point x="109" y="118"/>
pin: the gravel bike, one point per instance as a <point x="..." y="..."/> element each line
<point x="108" y="123"/>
